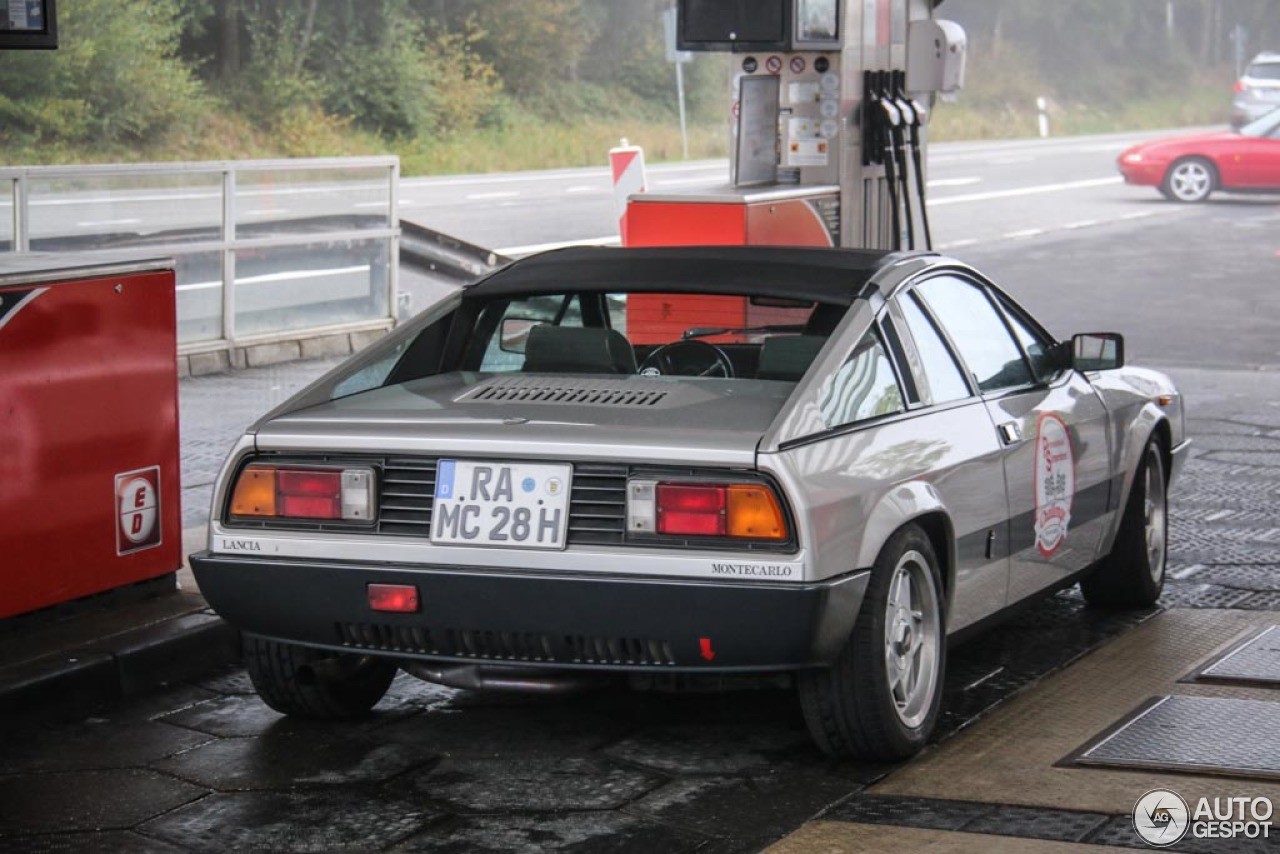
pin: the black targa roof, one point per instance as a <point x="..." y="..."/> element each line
<point x="833" y="276"/>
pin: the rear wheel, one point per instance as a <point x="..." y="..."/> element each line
<point x="1190" y="179"/>
<point x="880" y="699"/>
<point x="311" y="683"/>
<point x="1132" y="575"/>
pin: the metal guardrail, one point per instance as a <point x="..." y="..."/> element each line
<point x="266" y="250"/>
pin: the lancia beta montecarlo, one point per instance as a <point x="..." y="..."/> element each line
<point x="820" y="462"/>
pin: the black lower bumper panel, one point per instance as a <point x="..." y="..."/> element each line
<point x="558" y="621"/>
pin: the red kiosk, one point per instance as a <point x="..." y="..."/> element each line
<point x="89" y="489"/>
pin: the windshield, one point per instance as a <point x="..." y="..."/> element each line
<point x="1268" y="125"/>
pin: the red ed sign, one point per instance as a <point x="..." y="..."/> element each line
<point x="138" y="510"/>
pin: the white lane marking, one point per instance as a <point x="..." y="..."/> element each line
<point x="1010" y="161"/>
<point x="266" y="211"/>
<point x="583" y="188"/>
<point x="956" y="244"/>
<point x="1025" y="191"/>
<point x="952" y="182"/>
<point x="287" y="276"/>
<point x="1186" y="571"/>
<point x="97" y="222"/>
<point x="1138" y="215"/>
<point x="477" y="197"/>
<point x="517" y="251"/>
<point x="1026" y="232"/>
<point x="382" y="204"/>
<point x="721" y="166"/>
<point x="1084" y="223"/>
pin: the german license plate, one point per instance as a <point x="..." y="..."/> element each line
<point x="517" y="505"/>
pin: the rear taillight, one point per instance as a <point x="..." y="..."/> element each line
<point x="694" y="508"/>
<point x="340" y="494"/>
<point x="1240" y="87"/>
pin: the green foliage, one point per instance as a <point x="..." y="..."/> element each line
<point x="116" y="77"/>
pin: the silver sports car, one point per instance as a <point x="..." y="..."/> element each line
<point x="819" y="463"/>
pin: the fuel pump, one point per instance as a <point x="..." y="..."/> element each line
<point x="828" y="124"/>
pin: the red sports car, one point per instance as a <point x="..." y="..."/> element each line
<point x="1189" y="168"/>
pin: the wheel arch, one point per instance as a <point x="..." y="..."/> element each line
<point x="914" y="503"/>
<point x="1149" y="423"/>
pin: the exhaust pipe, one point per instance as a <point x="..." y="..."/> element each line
<point x="473" y="677"/>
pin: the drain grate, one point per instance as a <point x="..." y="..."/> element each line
<point x="1207" y="735"/>
<point x="1256" y="661"/>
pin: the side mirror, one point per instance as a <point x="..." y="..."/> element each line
<point x="1097" y="351"/>
<point x="514" y="334"/>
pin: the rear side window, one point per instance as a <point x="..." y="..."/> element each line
<point x="864" y="387"/>
<point x="978" y="331"/>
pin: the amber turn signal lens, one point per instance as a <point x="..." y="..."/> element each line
<point x="754" y="513"/>
<point x="255" y="492"/>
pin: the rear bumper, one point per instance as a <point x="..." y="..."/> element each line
<point x="548" y="621"/>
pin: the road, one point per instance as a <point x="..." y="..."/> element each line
<point x="978" y="192"/>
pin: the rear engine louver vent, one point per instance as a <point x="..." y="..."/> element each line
<point x="582" y="393"/>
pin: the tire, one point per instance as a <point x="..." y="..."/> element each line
<point x="859" y="707"/>
<point x="311" y="683"/>
<point x="1191" y="179"/>
<point x="1132" y="575"/>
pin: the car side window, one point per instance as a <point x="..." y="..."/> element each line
<point x="864" y="386"/>
<point x="978" y="332"/>
<point x="941" y="373"/>
<point x="1033" y="344"/>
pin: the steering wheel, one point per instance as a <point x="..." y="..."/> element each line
<point x="667" y="359"/>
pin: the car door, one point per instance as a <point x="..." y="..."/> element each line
<point x="1051" y="423"/>
<point x="948" y="409"/>
<point x="1261" y="159"/>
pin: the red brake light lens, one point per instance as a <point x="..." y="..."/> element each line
<point x="691" y="509"/>
<point x="1240" y="87"/>
<point x="310" y="494"/>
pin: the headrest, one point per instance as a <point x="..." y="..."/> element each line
<point x="578" y="350"/>
<point x="787" y="357"/>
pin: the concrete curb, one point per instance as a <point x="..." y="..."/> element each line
<point x="126" y="664"/>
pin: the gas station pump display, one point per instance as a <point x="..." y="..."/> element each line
<point x="817" y="24"/>
<point x="737" y="25"/>
<point x="28" y="24"/>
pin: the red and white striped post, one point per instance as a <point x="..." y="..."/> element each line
<point x="627" y="163"/>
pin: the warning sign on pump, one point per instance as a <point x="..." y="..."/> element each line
<point x="805" y="145"/>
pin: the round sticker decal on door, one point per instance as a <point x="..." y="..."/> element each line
<point x="1055" y="483"/>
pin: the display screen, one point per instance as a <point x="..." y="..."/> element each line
<point x="733" y="24"/>
<point x="28" y="24"/>
<point x="817" y="21"/>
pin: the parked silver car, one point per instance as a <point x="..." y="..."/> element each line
<point x="822" y="463"/>
<point x="1257" y="90"/>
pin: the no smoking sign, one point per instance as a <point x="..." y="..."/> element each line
<point x="137" y="510"/>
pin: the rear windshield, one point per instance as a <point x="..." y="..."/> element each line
<point x="651" y="334"/>
<point x="714" y="336"/>
<point x="1264" y="70"/>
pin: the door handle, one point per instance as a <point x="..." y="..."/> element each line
<point x="1010" y="432"/>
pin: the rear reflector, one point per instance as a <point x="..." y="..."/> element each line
<point x="394" y="598"/>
